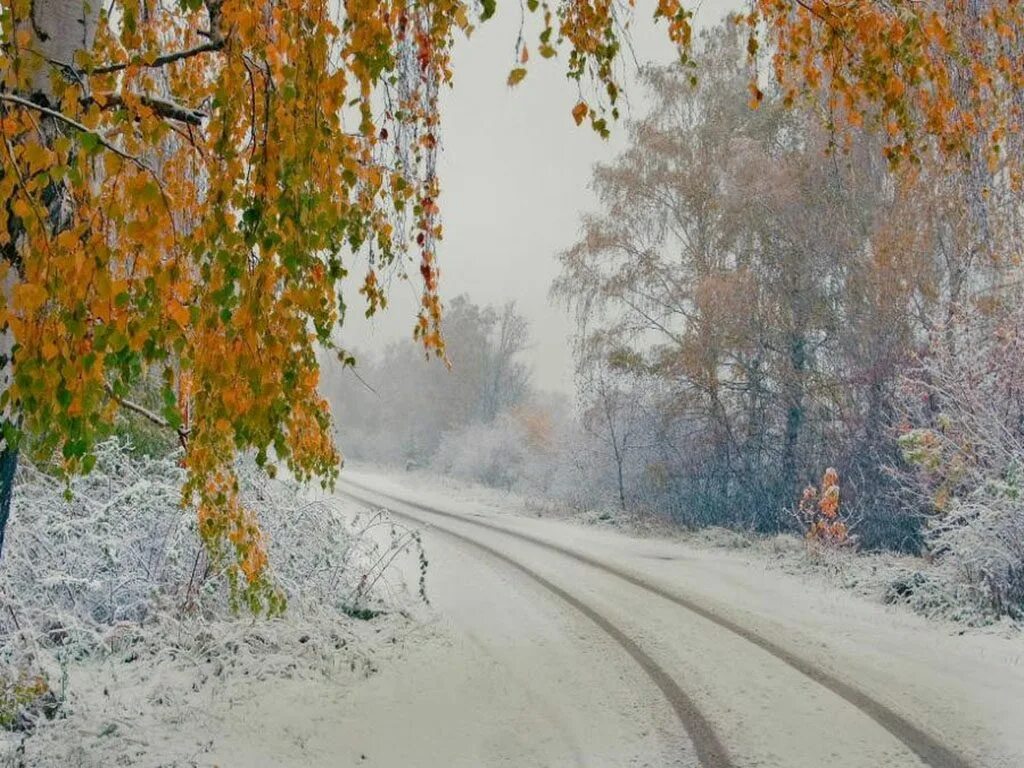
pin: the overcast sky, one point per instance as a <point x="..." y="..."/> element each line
<point x="515" y="174"/>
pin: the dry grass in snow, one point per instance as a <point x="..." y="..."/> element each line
<point x="118" y="645"/>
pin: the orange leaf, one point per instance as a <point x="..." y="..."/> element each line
<point x="579" y="112"/>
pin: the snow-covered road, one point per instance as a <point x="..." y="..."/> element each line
<point x="571" y="645"/>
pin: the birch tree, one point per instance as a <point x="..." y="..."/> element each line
<point x="185" y="183"/>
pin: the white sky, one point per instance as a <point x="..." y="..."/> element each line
<point x="515" y="174"/>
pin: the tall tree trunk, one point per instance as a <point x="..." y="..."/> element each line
<point x="794" y="414"/>
<point x="8" y="450"/>
<point x="59" y="30"/>
<point x="617" y="451"/>
<point x="8" y="464"/>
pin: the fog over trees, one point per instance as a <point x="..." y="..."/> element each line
<point x="757" y="299"/>
<point x="790" y="304"/>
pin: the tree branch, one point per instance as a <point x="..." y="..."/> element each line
<point x="156" y="418"/>
<point x="162" y="61"/>
<point x="162" y="107"/>
<point x="57" y="115"/>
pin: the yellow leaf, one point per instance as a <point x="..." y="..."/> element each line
<point x="516" y="76"/>
<point x="178" y="313"/>
<point x="21" y="208"/>
<point x="29" y="296"/>
<point x="37" y="157"/>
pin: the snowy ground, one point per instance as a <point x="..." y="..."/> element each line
<point x="506" y="667"/>
<point x="267" y="698"/>
<point x="957" y="686"/>
<point x="877" y="577"/>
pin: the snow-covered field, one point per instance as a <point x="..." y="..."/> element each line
<point x="108" y="598"/>
<point x="498" y="669"/>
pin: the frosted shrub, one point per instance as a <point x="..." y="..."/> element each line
<point x="981" y="539"/>
<point x="111" y="548"/>
<point x="113" y="565"/>
<point x="493" y="454"/>
<point x="965" y="454"/>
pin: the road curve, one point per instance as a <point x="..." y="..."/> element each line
<point x="710" y="751"/>
<point x="915" y="745"/>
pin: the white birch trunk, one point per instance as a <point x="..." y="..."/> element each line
<point x="59" y="29"/>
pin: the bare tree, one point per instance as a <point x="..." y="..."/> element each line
<point x="399" y="406"/>
<point x="746" y="268"/>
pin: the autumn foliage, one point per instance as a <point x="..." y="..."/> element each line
<point x="948" y="70"/>
<point x="819" y="512"/>
<point x="179" y="195"/>
<point x="186" y="187"/>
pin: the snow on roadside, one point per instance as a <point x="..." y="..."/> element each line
<point x="902" y="581"/>
<point x="180" y="705"/>
<point x="107" y="596"/>
<point x="960" y="682"/>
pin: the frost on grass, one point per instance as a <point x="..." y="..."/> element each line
<point x="110" y="609"/>
<point x="978" y="570"/>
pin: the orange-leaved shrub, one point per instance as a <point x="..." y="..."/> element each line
<point x="819" y="512"/>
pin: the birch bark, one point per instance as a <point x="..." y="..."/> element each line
<point x="59" y="30"/>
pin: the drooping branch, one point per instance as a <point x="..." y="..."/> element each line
<point x="162" y="61"/>
<point x="156" y="418"/>
<point x="58" y="115"/>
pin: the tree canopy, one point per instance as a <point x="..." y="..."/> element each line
<point x="184" y="184"/>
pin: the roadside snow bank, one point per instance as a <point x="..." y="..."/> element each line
<point x="933" y="589"/>
<point x="111" y="607"/>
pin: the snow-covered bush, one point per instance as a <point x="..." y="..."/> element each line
<point x="112" y="564"/>
<point x="493" y="454"/>
<point x="965" y="449"/>
<point x="982" y="538"/>
<point x="109" y="548"/>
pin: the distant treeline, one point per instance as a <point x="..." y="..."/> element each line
<point x="758" y="299"/>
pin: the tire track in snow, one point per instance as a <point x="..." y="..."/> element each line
<point x="711" y="753"/>
<point x="929" y="749"/>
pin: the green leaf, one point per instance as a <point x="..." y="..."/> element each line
<point x="90" y="142"/>
<point x="516" y="76"/>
